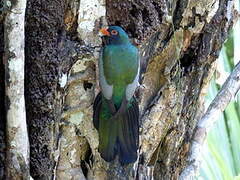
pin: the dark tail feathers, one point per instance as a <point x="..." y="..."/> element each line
<point x="127" y="137"/>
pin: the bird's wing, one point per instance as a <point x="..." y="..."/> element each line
<point x="130" y="89"/>
<point x="96" y="110"/>
<point x="107" y="89"/>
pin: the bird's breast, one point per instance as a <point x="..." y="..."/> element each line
<point x="120" y="64"/>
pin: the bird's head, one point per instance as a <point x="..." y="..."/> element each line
<point x="114" y="35"/>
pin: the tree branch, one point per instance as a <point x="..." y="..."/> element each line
<point x="17" y="164"/>
<point x="220" y="102"/>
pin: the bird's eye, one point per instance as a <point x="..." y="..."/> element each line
<point x="114" y="32"/>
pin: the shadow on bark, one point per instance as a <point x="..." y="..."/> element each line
<point x="2" y="102"/>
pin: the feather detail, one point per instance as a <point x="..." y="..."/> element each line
<point x="107" y="89"/>
<point x="116" y="113"/>
<point x="118" y="133"/>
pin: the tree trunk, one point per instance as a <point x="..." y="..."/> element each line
<point x="179" y="43"/>
<point x="13" y="115"/>
<point x="2" y="105"/>
<point x="17" y="161"/>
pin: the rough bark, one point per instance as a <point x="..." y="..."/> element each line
<point x="227" y="94"/>
<point x="180" y="57"/>
<point x="50" y="52"/>
<point x="17" y="155"/>
<point x="2" y="96"/>
<point x="179" y="43"/>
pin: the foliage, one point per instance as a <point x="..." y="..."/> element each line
<point x="221" y="155"/>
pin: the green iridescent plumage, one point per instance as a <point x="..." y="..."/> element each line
<point x="116" y="111"/>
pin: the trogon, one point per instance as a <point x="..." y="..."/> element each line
<point x="116" y="111"/>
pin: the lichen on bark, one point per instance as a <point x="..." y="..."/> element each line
<point x="17" y="146"/>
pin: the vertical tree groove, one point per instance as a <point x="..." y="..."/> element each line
<point x="179" y="43"/>
<point x="2" y="94"/>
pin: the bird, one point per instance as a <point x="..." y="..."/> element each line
<point x="115" y="108"/>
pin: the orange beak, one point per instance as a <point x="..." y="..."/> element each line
<point x="104" y="32"/>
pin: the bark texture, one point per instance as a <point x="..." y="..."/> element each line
<point x="17" y="155"/>
<point x="2" y="96"/>
<point x="227" y="94"/>
<point x="179" y="43"/>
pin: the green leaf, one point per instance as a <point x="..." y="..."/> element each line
<point x="221" y="155"/>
